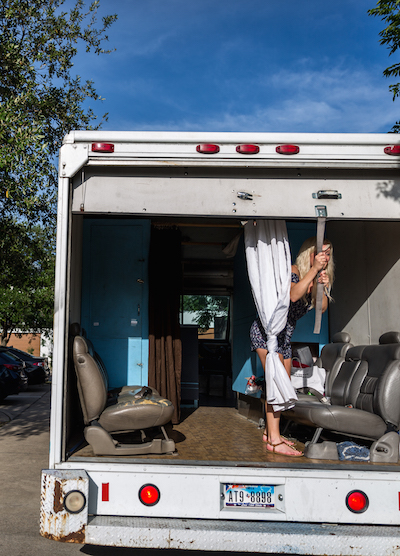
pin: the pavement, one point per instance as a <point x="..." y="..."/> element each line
<point x="24" y="448"/>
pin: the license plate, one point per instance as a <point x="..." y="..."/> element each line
<point x="249" y="496"/>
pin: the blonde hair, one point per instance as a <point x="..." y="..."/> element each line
<point x="303" y="263"/>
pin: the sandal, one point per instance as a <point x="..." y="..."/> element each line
<point x="298" y="454"/>
<point x="285" y="440"/>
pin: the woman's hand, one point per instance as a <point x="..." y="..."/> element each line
<point x="320" y="261"/>
<point x="323" y="278"/>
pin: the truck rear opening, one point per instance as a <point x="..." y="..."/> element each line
<point x="150" y="240"/>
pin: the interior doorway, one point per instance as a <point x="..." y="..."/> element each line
<point x="205" y="331"/>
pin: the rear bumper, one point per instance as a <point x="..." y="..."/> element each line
<point x="86" y="526"/>
<point x="238" y="536"/>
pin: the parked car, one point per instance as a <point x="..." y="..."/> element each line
<point x="36" y="368"/>
<point x="28" y="358"/>
<point x="9" y="382"/>
<point x="13" y="378"/>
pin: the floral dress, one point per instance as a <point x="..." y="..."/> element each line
<point x="297" y="309"/>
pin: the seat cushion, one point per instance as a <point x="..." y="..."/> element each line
<point x="348" y="420"/>
<point x="136" y="412"/>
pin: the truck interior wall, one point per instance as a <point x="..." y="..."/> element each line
<point x="73" y="420"/>
<point x="76" y="268"/>
<point x="367" y="256"/>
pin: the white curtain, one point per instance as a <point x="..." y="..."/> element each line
<point x="269" y="268"/>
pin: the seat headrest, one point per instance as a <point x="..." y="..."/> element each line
<point x="380" y="356"/>
<point x="341" y="337"/>
<point x="75" y="329"/>
<point x="355" y="353"/>
<point x="390" y="338"/>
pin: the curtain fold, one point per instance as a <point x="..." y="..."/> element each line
<point x="269" y="269"/>
<point x="165" y="349"/>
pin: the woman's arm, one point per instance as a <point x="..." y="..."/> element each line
<point x="323" y="279"/>
<point x="302" y="287"/>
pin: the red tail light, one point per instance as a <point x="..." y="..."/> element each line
<point x="149" y="495"/>
<point x="287" y="149"/>
<point x="11" y="367"/>
<point x="357" y="501"/>
<point x="102" y="147"/>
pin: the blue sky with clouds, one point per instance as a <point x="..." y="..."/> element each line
<point x="235" y="65"/>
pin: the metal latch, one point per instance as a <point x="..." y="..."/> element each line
<point x="327" y="194"/>
<point x="320" y="211"/>
<point x="244" y="195"/>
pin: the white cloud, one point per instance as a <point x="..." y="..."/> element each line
<point x="337" y="99"/>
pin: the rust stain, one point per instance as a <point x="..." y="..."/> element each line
<point x="57" y="498"/>
<point x="76" y="537"/>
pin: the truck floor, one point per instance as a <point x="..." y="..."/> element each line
<point x="221" y="434"/>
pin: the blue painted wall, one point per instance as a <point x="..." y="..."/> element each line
<point x="115" y="296"/>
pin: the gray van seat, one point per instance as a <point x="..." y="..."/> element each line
<point x="368" y="406"/>
<point x="301" y="413"/>
<point x="132" y="408"/>
<point x="331" y="359"/>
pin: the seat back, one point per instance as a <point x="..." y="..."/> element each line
<point x="332" y="357"/>
<point x="376" y="384"/>
<point x="340" y="392"/>
<point x="92" y="385"/>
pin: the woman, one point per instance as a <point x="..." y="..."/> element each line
<point x="310" y="267"/>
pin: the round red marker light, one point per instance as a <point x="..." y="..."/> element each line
<point x="149" y="495"/>
<point x="248" y="149"/>
<point x="287" y="149"/>
<point x="357" y="501"/>
<point x="207" y="148"/>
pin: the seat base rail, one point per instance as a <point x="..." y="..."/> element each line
<point x="103" y="444"/>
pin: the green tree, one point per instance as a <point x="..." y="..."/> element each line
<point x="206" y="308"/>
<point x="389" y="11"/>
<point x="41" y="99"/>
<point x="26" y="278"/>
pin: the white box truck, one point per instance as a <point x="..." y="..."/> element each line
<point x="145" y="219"/>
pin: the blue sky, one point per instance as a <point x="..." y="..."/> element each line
<point x="243" y="65"/>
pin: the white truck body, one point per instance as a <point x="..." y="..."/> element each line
<point x="162" y="177"/>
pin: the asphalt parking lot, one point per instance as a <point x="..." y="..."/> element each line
<point x="24" y="447"/>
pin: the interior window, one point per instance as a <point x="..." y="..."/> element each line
<point x="209" y="312"/>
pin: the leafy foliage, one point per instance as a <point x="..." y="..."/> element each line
<point x="206" y="308"/>
<point x="40" y="101"/>
<point x="26" y="278"/>
<point x="389" y="11"/>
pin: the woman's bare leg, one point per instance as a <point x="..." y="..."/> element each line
<point x="288" y="366"/>
<point x="272" y="431"/>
